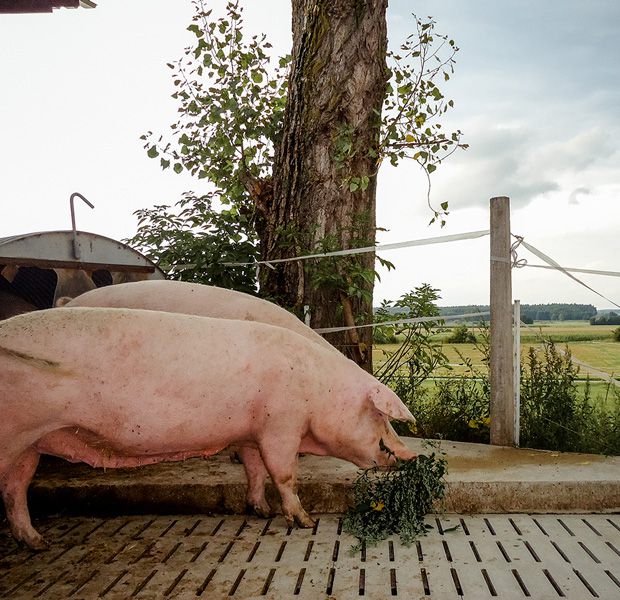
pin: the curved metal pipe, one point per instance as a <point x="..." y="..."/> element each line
<point x="76" y="248"/>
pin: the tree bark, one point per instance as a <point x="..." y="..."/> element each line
<point x="331" y="131"/>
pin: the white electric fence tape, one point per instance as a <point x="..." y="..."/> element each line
<point x="380" y="248"/>
<point x="575" y="270"/>
<point x="554" y="265"/>
<point x="517" y="263"/>
<point x="405" y="321"/>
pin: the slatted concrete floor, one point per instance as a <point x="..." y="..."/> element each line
<point x="492" y="556"/>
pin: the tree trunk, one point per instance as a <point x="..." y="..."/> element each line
<point x="326" y="165"/>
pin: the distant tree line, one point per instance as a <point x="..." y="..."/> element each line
<point x="535" y="312"/>
<point x="610" y="318"/>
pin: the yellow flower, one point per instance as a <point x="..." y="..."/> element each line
<point x="378" y="506"/>
<point x="413" y="428"/>
<point x="473" y="424"/>
<point x="487" y="421"/>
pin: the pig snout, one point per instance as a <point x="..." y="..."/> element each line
<point x="399" y="450"/>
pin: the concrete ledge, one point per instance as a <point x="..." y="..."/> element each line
<point x="481" y="479"/>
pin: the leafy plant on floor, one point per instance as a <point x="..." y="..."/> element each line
<point x="395" y="502"/>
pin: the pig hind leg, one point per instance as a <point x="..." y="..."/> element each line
<point x="256" y="474"/>
<point x="281" y="463"/>
<point x="14" y="482"/>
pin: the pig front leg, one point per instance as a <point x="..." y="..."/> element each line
<point x="280" y="458"/>
<point x="256" y="474"/>
<point x="14" y="482"/>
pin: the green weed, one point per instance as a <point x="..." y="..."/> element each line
<point x="394" y="502"/>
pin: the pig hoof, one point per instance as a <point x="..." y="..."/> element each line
<point x="304" y="521"/>
<point x="301" y="520"/>
<point x="37" y="543"/>
<point x="40" y="545"/>
<point x="264" y="512"/>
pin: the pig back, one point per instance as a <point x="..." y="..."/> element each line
<point x="196" y="299"/>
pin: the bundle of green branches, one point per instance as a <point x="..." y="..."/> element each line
<point x="395" y="501"/>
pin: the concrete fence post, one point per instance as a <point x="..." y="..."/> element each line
<point x="501" y="368"/>
<point x="307" y="314"/>
<point x="517" y="367"/>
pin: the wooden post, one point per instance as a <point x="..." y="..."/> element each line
<point x="517" y="367"/>
<point x="501" y="367"/>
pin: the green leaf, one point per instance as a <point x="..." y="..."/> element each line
<point x="152" y="152"/>
<point x="195" y="30"/>
<point x="430" y="168"/>
<point x="178" y="167"/>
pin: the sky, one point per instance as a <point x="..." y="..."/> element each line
<point x="536" y="92"/>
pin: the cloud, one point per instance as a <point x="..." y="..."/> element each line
<point x="574" y="195"/>
<point x="577" y="153"/>
<point x="496" y="163"/>
<point x="524" y="163"/>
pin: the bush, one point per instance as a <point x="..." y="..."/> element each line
<point x="461" y="335"/>
<point x="549" y="397"/>
<point x="555" y="415"/>
<point x="611" y="318"/>
<point x="191" y="240"/>
<point x="417" y="356"/>
<point x="617" y="335"/>
<point x="384" y="335"/>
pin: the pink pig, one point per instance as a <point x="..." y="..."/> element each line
<point x="207" y="301"/>
<point x="194" y="299"/>
<point x="122" y="388"/>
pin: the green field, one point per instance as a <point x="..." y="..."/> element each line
<point x="590" y="344"/>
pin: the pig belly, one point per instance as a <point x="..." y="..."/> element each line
<point x="81" y="445"/>
<point x="81" y="413"/>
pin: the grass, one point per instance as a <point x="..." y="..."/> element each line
<point x="561" y="332"/>
<point x="603" y="355"/>
<point x="587" y="343"/>
<point x="557" y="330"/>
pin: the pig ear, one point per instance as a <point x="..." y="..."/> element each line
<point x="390" y="404"/>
